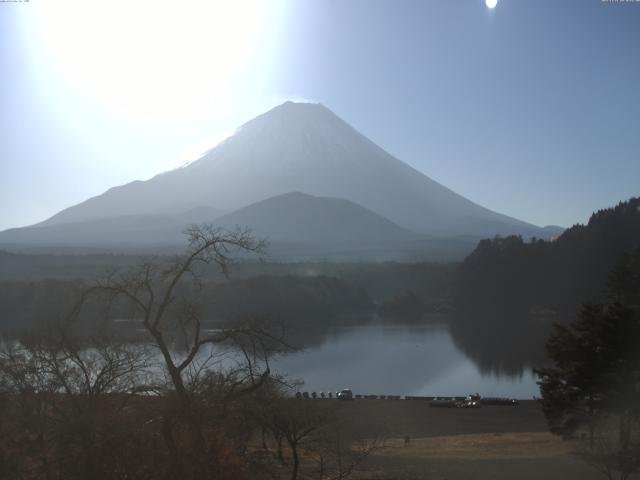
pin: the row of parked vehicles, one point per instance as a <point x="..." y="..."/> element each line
<point x="344" y="394"/>
<point x="470" y="401"/>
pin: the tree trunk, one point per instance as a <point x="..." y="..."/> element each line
<point x="625" y="430"/>
<point x="186" y="408"/>
<point x="167" y="435"/>
<point x="296" y="462"/>
<point x="280" y="456"/>
<point x="591" y="421"/>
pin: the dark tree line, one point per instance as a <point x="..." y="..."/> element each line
<point x="295" y="299"/>
<point x="511" y="274"/>
<point x="594" y="384"/>
<point x="287" y="298"/>
<point x="511" y="289"/>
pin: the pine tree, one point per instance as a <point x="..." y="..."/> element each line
<point x="596" y="372"/>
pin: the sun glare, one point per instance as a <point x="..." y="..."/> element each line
<point x="147" y="59"/>
<point x="491" y="3"/>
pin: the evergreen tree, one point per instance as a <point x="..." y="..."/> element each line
<point x="596" y="372"/>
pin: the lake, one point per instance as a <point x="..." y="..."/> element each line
<point x="382" y="359"/>
<point x="397" y="360"/>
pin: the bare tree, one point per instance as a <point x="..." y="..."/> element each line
<point x="340" y="452"/>
<point x="65" y="404"/>
<point x="312" y="439"/>
<point x="152" y="290"/>
<point x="161" y="295"/>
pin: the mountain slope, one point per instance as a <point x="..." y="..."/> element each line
<point x="132" y="229"/>
<point x="302" y="147"/>
<point x="300" y="218"/>
<point x="297" y="226"/>
<point x="123" y="230"/>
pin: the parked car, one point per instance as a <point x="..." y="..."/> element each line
<point x="345" y="394"/>
<point x="469" y="402"/>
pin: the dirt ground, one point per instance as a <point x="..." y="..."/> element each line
<point x="486" y="443"/>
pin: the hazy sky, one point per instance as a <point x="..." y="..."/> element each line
<point x="531" y="109"/>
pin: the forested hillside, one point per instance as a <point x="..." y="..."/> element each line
<point x="509" y="274"/>
<point x="508" y="292"/>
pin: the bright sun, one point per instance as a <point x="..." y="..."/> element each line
<point x="148" y="59"/>
<point x="491" y="3"/>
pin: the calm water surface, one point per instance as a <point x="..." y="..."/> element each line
<point x="397" y="360"/>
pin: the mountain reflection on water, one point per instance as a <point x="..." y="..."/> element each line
<point x="398" y="360"/>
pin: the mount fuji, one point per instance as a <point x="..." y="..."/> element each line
<point x="294" y="147"/>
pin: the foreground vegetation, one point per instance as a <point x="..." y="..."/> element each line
<point x="184" y="402"/>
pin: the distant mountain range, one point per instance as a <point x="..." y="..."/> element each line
<point x="351" y="196"/>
